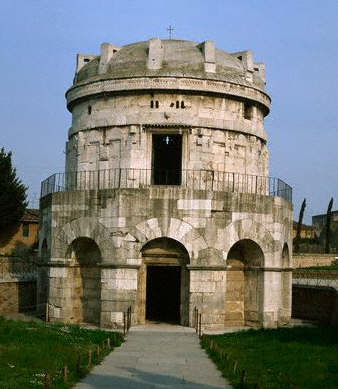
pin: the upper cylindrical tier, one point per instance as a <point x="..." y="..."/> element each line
<point x="121" y="99"/>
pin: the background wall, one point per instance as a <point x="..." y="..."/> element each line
<point x="17" y="285"/>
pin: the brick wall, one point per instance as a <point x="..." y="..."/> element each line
<point x="315" y="295"/>
<point x="17" y="285"/>
<point x="315" y="303"/>
<point x="307" y="260"/>
<point x="17" y="296"/>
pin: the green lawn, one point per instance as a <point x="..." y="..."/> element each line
<point x="285" y="358"/>
<point x="29" y="350"/>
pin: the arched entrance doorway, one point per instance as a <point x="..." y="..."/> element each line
<point x="163" y="282"/>
<point x="84" y="255"/>
<point x="244" y="288"/>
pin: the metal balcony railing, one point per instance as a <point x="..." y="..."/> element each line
<point x="207" y="180"/>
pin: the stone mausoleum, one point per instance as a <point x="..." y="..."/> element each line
<point x="166" y="204"/>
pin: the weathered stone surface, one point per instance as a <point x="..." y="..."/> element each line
<point x="17" y="296"/>
<point x="219" y="225"/>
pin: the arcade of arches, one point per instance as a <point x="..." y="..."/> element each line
<point x="163" y="283"/>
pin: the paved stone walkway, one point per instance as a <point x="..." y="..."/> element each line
<point x="156" y="356"/>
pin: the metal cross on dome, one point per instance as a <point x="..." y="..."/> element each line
<point x="170" y="29"/>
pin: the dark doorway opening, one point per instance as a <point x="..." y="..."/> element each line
<point x="167" y="159"/>
<point x="163" y="293"/>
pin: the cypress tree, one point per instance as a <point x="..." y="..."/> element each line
<point x="12" y="192"/>
<point x="327" y="227"/>
<point x="299" y="225"/>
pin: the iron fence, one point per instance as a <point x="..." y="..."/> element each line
<point x="142" y="178"/>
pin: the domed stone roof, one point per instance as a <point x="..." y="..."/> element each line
<point x="179" y="58"/>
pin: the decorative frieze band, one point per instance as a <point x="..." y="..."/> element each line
<point x="167" y="83"/>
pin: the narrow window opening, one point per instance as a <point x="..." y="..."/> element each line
<point x="86" y="60"/>
<point x="167" y="159"/>
<point x="152" y="104"/>
<point x="248" y="109"/>
<point x="182" y="104"/>
<point x="157" y="104"/>
<point x="177" y="104"/>
<point x="240" y="57"/>
<point x="89" y="109"/>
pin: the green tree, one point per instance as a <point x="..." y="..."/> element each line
<point x="299" y="225"/>
<point x="12" y="192"/>
<point x="327" y="227"/>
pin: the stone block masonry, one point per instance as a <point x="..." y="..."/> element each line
<point x="217" y="284"/>
<point x="308" y="260"/>
<point x="166" y="204"/>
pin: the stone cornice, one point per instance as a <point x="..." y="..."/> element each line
<point x="103" y="265"/>
<point x="182" y="84"/>
<point x="208" y="268"/>
<point x="155" y="120"/>
<point x="233" y="268"/>
<point x="118" y="266"/>
<point x="111" y="265"/>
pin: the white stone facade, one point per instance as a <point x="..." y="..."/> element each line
<point x="210" y="211"/>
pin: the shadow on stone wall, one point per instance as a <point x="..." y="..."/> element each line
<point x="317" y="303"/>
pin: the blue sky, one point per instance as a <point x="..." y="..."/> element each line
<point x="297" y="40"/>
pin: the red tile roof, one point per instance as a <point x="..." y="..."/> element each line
<point x="31" y="215"/>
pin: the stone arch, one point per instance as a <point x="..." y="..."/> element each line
<point x="173" y="228"/>
<point x="245" y="286"/>
<point x="287" y="238"/>
<point x="44" y="244"/>
<point x="166" y="247"/>
<point x="163" y="281"/>
<point x="83" y="227"/>
<point x="286" y="285"/>
<point x="250" y="230"/>
<point x="285" y="260"/>
<point x="84" y="255"/>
